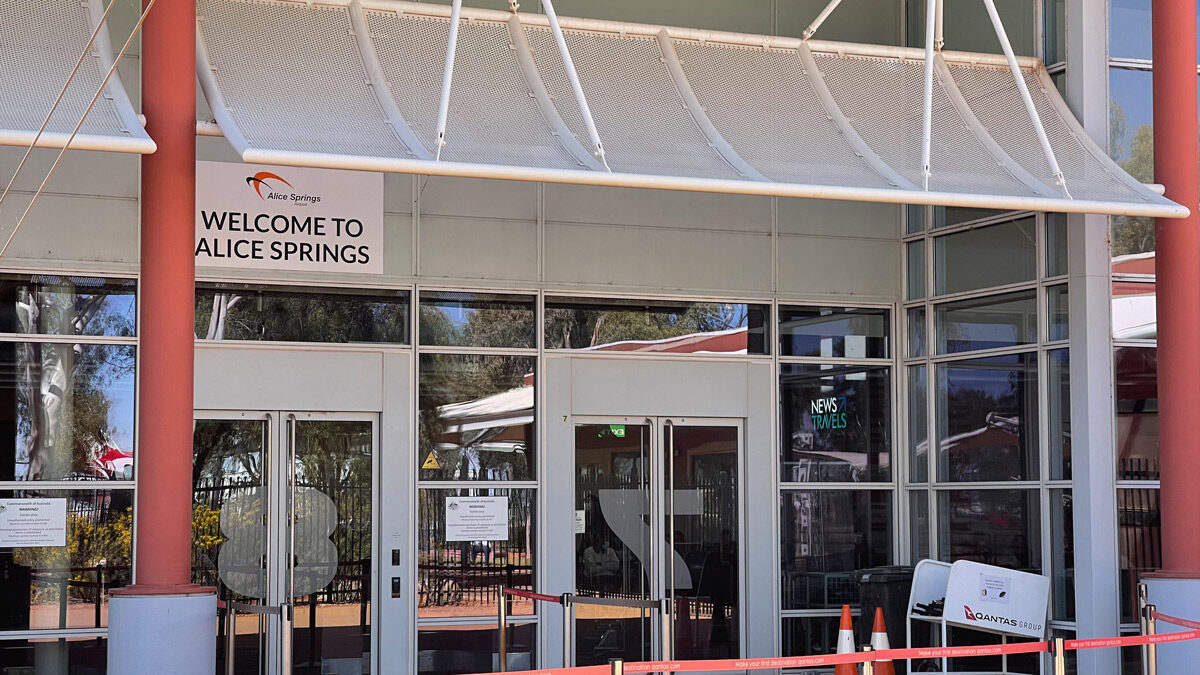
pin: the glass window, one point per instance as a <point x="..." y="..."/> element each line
<point x="51" y="304"/>
<point x="55" y="655"/>
<point x="947" y="216"/>
<point x="919" y="508"/>
<point x="477" y="320"/>
<point x="457" y="574"/>
<point x="1134" y="309"/>
<point x="1057" y="313"/>
<point x="1131" y="143"/>
<point x="827" y="535"/>
<point x="68" y="409"/>
<point x="473" y="648"/>
<point x="984" y="257"/>
<point x="915" y="270"/>
<point x="836" y="423"/>
<point x="834" y="332"/>
<point x="1129" y="30"/>
<point x="1056" y="244"/>
<point x="808" y="635"/>
<point x="995" y="527"/>
<point x="1137" y="413"/>
<point x="301" y="315"/>
<point x="656" y="326"/>
<point x="916" y="332"/>
<point x="914" y="218"/>
<point x="67" y="586"/>
<point x="987" y="415"/>
<point x="476" y="417"/>
<point x="990" y="322"/>
<point x="1139" y="539"/>
<point x="1058" y="408"/>
<point x="918" y="423"/>
<point x="1054" y="29"/>
<point x="1062" y="552"/>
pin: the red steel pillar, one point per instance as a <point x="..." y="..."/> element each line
<point x="1177" y="166"/>
<point x="163" y="623"/>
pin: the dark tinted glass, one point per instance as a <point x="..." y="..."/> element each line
<point x="70" y="656"/>
<point x="986" y="323"/>
<point x="460" y="565"/>
<point x="945" y="216"/>
<point x="66" y="411"/>
<point x="836" y="423"/>
<point x="1062" y="552"/>
<point x="1139" y="540"/>
<point x="50" y="304"/>
<point x="826" y="536"/>
<point x="833" y="332"/>
<point x="66" y="585"/>
<point x="985" y="257"/>
<point x="448" y="650"/>
<point x="656" y="326"/>
<point x="1137" y="413"/>
<point x="477" y="320"/>
<point x="995" y="527"/>
<point x="301" y="315"/>
<point x="476" y="417"/>
<point x="988" y="419"/>
<point x="808" y="635"/>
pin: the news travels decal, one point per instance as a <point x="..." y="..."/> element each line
<point x="288" y="218"/>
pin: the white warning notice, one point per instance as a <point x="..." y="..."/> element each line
<point x="33" y="522"/>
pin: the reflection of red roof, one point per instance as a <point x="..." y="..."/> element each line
<point x="111" y="454"/>
<point x="1137" y="263"/>
<point x="732" y="341"/>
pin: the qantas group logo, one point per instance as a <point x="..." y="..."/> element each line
<point x="970" y="614"/>
<point x="270" y="187"/>
<point x="1002" y="620"/>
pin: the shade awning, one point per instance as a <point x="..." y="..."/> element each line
<point x="40" y="42"/>
<point x="355" y="84"/>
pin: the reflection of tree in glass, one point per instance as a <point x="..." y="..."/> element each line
<point x="1135" y="154"/>
<point x="300" y="316"/>
<point x="583" y="326"/>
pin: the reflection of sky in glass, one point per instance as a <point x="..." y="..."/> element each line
<point x="1130" y="90"/>
<point x="1129" y="31"/>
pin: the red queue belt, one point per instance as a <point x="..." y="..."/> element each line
<point x="533" y="596"/>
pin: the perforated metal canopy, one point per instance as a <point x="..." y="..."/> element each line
<point x="355" y="84"/>
<point x="40" y="42"/>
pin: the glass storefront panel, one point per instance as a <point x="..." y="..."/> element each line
<point x="656" y="326"/>
<point x="809" y="635"/>
<point x="914" y="252"/>
<point x="948" y="216"/>
<point x="476" y="417"/>
<point x="1057" y="313"/>
<point x="919" y="511"/>
<point x="67" y="411"/>
<point x="1056" y="244"/>
<point x="330" y="315"/>
<point x="834" y="332"/>
<point x="1134" y="302"/>
<point x="1137" y="412"/>
<point x="995" y="255"/>
<point x="918" y="424"/>
<point x="1058" y="410"/>
<point x="1062" y="556"/>
<point x="835" y="423"/>
<point x="457" y="576"/>
<point x="455" y="319"/>
<point x="473" y="648"/>
<point x="55" y="656"/>
<point x="826" y="536"/>
<point x="916" y="332"/>
<point x="1129" y="31"/>
<point x="987" y="417"/>
<point x="52" y="304"/>
<point x="56" y="587"/>
<point x="1139" y="540"/>
<point x="994" y="527"/>
<point x="991" y="322"/>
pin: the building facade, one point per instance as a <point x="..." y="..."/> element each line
<point x="735" y="402"/>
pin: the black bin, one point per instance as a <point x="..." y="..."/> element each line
<point x="886" y="587"/>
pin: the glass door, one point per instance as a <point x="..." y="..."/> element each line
<point x="657" y="515"/>
<point x="282" y="520"/>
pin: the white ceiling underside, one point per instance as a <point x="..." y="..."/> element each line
<point x="40" y="43"/>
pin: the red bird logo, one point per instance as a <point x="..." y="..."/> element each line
<point x="970" y="614"/>
<point x="259" y="181"/>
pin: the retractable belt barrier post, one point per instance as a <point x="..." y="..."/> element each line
<point x="868" y="657"/>
<point x="502" y="618"/>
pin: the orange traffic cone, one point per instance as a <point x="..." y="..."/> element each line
<point x="845" y="644"/>
<point x="879" y="640"/>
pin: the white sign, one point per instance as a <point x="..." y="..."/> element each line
<point x="996" y="599"/>
<point x="288" y="218"/>
<point x="580" y="522"/>
<point x="476" y="518"/>
<point x="33" y="522"/>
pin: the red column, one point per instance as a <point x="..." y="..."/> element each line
<point x="164" y="454"/>
<point x="1177" y="165"/>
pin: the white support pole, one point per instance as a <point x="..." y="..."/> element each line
<point x="812" y="27"/>
<point x="1001" y="35"/>
<point x="447" y="78"/>
<point x="573" y="77"/>
<point x="927" y="117"/>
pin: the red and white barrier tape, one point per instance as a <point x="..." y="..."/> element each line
<point x="533" y="596"/>
<point x="1185" y="623"/>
